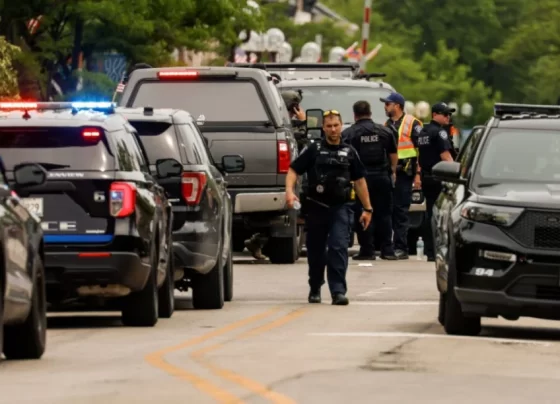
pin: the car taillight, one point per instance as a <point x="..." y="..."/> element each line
<point x="177" y="75"/>
<point x="122" y="199"/>
<point x="91" y="134"/>
<point x="284" y="159"/>
<point x="192" y="185"/>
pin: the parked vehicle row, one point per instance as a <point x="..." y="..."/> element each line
<point x="107" y="207"/>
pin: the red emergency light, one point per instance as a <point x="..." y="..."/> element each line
<point x="175" y="75"/>
<point x="18" y="105"/>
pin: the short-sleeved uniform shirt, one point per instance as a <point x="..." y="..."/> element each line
<point x="432" y="141"/>
<point x="305" y="162"/>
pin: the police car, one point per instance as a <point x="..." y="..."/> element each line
<point x="497" y="221"/>
<point x="104" y="217"/>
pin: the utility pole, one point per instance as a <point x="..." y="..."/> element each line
<point x="365" y="34"/>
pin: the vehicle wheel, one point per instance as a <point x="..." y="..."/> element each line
<point x="141" y="309"/>
<point x="283" y="250"/>
<point x="166" y="294"/>
<point x="441" y="309"/>
<point x="228" y="277"/>
<point x="208" y="289"/>
<point x="238" y="244"/>
<point x="455" y="322"/>
<point x="29" y="339"/>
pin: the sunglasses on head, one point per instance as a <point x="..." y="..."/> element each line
<point x="331" y="112"/>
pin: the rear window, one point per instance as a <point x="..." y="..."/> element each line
<point x="158" y="138"/>
<point x="342" y="98"/>
<point x="236" y="101"/>
<point x="56" y="146"/>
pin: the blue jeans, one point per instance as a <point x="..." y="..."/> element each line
<point x="328" y="237"/>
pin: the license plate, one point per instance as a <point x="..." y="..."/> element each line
<point x="34" y="205"/>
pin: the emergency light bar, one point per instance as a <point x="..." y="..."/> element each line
<point x="369" y="76"/>
<point x="298" y="66"/>
<point x="502" y="109"/>
<point x="52" y="106"/>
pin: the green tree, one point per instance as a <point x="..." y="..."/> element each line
<point x="8" y="75"/>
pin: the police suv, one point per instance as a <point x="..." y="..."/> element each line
<point x="105" y="219"/>
<point x="497" y="221"/>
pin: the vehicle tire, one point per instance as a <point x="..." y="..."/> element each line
<point x="141" y="309"/>
<point x="166" y="294"/>
<point x="455" y="322"/>
<point x="441" y="308"/>
<point x="208" y="289"/>
<point x="228" y="277"/>
<point x="283" y="250"/>
<point x="29" y="339"/>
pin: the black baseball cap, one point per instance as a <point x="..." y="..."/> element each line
<point x="442" y="108"/>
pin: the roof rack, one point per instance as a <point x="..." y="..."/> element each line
<point x="298" y="66"/>
<point x="369" y="76"/>
<point x="505" y="109"/>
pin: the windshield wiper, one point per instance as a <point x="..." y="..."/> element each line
<point x="53" y="166"/>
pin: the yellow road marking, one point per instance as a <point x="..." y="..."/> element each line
<point x="157" y="360"/>
<point x="251" y="385"/>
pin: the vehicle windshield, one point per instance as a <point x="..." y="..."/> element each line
<point x="342" y="99"/>
<point x="56" y="147"/>
<point x="520" y="155"/>
<point x="234" y="101"/>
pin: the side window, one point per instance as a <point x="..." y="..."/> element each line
<point x="280" y="102"/>
<point x="128" y="154"/>
<point x="468" y="150"/>
<point x="200" y="144"/>
<point x="187" y="143"/>
<point x="142" y="158"/>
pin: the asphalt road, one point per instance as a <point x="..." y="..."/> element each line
<point x="269" y="345"/>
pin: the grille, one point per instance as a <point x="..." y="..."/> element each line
<point x="542" y="288"/>
<point x="537" y="229"/>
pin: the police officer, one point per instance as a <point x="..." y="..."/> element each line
<point x="330" y="166"/>
<point x="377" y="149"/>
<point x="292" y="99"/>
<point x="405" y="129"/>
<point x="434" y="146"/>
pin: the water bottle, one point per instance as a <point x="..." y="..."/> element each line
<point x="297" y="205"/>
<point x="420" y="249"/>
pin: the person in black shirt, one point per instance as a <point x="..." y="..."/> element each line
<point x="330" y="166"/>
<point x="434" y="146"/>
<point x="377" y="149"/>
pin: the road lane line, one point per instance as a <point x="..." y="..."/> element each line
<point x="157" y="360"/>
<point x="249" y="384"/>
<point x="420" y="335"/>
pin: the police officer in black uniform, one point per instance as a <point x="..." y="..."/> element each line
<point x="377" y="149"/>
<point x="330" y="166"/>
<point x="434" y="146"/>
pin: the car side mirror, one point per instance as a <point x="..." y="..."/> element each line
<point x="448" y="171"/>
<point x="29" y="174"/>
<point x="314" y="118"/>
<point x="233" y="164"/>
<point x="166" y="168"/>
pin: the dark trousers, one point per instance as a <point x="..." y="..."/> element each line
<point x="380" y="188"/>
<point x="328" y="232"/>
<point x="402" y="201"/>
<point x="431" y="189"/>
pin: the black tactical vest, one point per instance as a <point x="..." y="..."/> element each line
<point x="331" y="184"/>
<point x="371" y="151"/>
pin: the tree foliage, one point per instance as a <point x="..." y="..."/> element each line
<point x="8" y="75"/>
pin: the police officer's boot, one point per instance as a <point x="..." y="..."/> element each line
<point x="314" y="296"/>
<point x="339" y="300"/>
<point x="254" y="245"/>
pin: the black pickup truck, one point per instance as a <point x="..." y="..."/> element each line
<point x="240" y="112"/>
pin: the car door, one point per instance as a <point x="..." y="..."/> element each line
<point x="14" y="219"/>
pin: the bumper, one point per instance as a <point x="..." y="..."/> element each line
<point x="195" y="246"/>
<point x="497" y="276"/>
<point x="251" y="200"/>
<point x="74" y="270"/>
